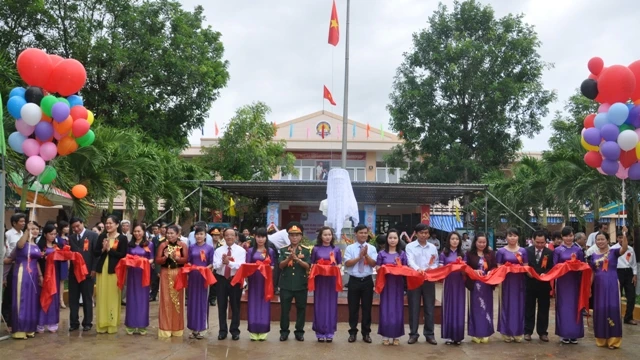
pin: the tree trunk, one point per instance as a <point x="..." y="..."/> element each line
<point x="545" y="215"/>
<point x="110" y="207"/>
<point x="134" y="216"/>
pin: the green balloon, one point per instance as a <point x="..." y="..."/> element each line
<point x="87" y="139"/>
<point x="46" y="104"/>
<point x="64" y="100"/>
<point x="624" y="127"/>
<point x="48" y="175"/>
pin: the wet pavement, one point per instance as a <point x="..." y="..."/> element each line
<point x="79" y="345"/>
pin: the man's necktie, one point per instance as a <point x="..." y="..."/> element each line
<point x="361" y="263"/>
<point x="227" y="269"/>
<point x="538" y="254"/>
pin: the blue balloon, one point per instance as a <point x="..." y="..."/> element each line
<point x="14" y="105"/>
<point x="75" y="100"/>
<point x="600" y="120"/>
<point x="15" y="142"/>
<point x="19" y="91"/>
<point x="618" y="113"/>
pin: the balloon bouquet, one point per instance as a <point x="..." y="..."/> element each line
<point x="611" y="136"/>
<point x="49" y="126"/>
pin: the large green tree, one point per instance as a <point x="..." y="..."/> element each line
<point x="151" y="65"/>
<point x="465" y="94"/>
<point x="247" y="150"/>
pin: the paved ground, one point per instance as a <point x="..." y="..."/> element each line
<point x="78" y="345"/>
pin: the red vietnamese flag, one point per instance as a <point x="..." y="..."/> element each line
<point x="334" y="28"/>
<point x="368" y="129"/>
<point x="328" y="96"/>
<point x="215" y="123"/>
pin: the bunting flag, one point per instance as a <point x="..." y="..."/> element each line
<point x="327" y="95"/>
<point x="308" y="132"/>
<point x="353" y="131"/>
<point x="457" y="213"/>
<point x="291" y="131"/>
<point x="368" y="129"/>
<point x="232" y="207"/>
<point x="334" y="27"/>
<point x="217" y="131"/>
<point x="275" y="128"/>
<point x="381" y="131"/>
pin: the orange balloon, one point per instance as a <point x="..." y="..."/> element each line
<point x="46" y="118"/>
<point x="79" y="191"/>
<point x="67" y="146"/>
<point x="63" y="127"/>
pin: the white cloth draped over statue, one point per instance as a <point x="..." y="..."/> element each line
<point x="341" y="201"/>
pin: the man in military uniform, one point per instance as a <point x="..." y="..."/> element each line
<point x="294" y="261"/>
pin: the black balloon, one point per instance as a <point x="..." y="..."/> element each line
<point x="34" y="95"/>
<point x="589" y="88"/>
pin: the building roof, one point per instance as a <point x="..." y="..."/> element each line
<point x="366" y="192"/>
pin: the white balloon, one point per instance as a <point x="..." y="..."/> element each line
<point x="627" y="140"/>
<point x="31" y="114"/>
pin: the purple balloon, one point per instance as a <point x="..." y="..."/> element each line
<point x="609" y="150"/>
<point x="634" y="171"/>
<point x="44" y="131"/>
<point x="610" y="167"/>
<point x="609" y="132"/>
<point x="60" y="111"/>
<point x="634" y="116"/>
<point x="592" y="136"/>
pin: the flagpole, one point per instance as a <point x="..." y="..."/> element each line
<point x="345" y="110"/>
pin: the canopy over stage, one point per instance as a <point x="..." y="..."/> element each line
<point x="366" y="192"/>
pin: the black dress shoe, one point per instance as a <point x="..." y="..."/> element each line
<point x="86" y="328"/>
<point x="352" y="338"/>
<point x="329" y="340"/>
<point x="73" y="328"/>
<point x="235" y="337"/>
<point x="300" y="337"/>
<point x="212" y="303"/>
<point x="283" y="337"/>
<point x="412" y="340"/>
<point x="366" y="338"/>
<point x="222" y="337"/>
<point x="432" y="341"/>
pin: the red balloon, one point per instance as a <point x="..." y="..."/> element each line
<point x="67" y="78"/>
<point x="589" y="121"/>
<point x="34" y="67"/>
<point x="593" y="159"/>
<point x="55" y="59"/>
<point x="595" y="65"/>
<point x="628" y="158"/>
<point x="616" y="84"/>
<point x="635" y="69"/>
<point x="80" y="128"/>
<point x="79" y="112"/>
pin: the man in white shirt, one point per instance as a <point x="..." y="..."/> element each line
<point x="421" y="256"/>
<point x="11" y="237"/>
<point x="359" y="261"/>
<point x="591" y="240"/>
<point x="465" y="245"/>
<point x="227" y="259"/>
<point x="627" y="275"/>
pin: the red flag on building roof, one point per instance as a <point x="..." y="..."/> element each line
<point x="328" y="96"/>
<point x="334" y="28"/>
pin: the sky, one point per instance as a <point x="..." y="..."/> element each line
<point x="278" y="51"/>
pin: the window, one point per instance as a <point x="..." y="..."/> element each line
<point x="360" y="175"/>
<point x="306" y="173"/>
<point x="351" y="174"/>
<point x="381" y="174"/>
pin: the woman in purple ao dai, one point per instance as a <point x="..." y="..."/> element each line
<point x="325" y="305"/>
<point x="512" y="298"/>
<point x="453" y="293"/>
<point x="259" y="309"/>
<point x="27" y="283"/>
<point x="200" y="254"/>
<point x="137" y="311"/>
<point x="391" y="325"/>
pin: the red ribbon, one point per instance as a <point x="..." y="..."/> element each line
<point x="49" y="286"/>
<point x="324" y="268"/>
<point x="181" y="278"/>
<point x="135" y="262"/>
<point x="414" y="278"/>
<point x="498" y="275"/>
<point x="248" y="269"/>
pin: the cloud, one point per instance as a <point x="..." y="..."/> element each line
<point x="278" y="51"/>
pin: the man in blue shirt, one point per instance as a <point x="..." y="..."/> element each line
<point x="359" y="260"/>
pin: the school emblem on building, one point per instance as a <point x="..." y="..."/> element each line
<point x="323" y="129"/>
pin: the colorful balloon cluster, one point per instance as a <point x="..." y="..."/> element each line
<point x="48" y="126"/>
<point x="611" y="137"/>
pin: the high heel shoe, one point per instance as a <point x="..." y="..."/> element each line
<point x="62" y="305"/>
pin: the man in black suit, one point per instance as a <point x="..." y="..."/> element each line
<point x="82" y="241"/>
<point x="541" y="259"/>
